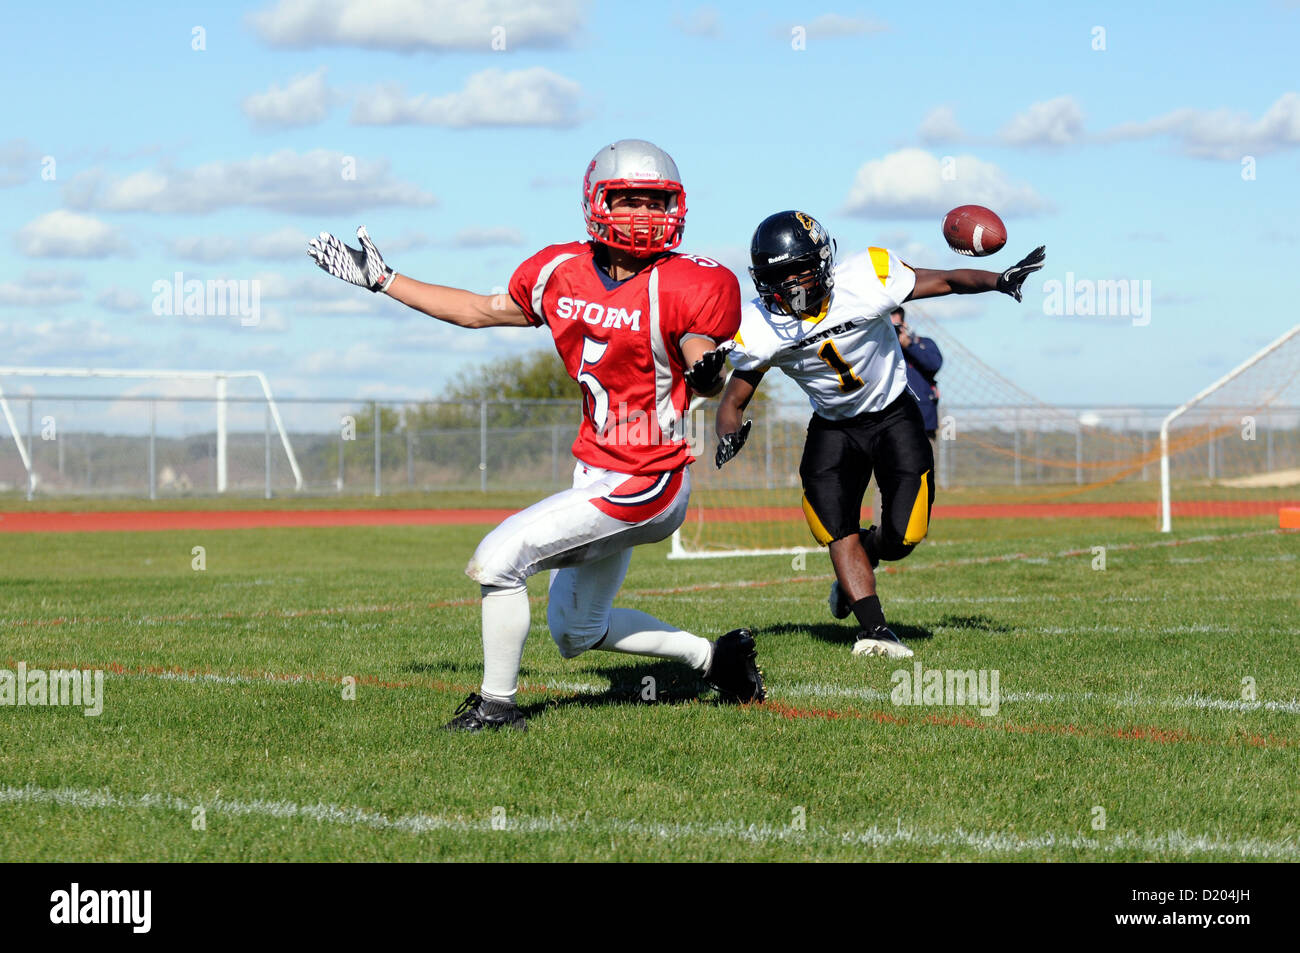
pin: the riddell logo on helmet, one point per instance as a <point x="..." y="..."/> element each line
<point x="595" y="313"/>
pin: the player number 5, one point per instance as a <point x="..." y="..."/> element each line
<point x="596" y="402"/>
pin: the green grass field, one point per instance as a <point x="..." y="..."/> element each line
<point x="1121" y="692"/>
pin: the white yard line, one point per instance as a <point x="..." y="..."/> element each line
<point x="1131" y="700"/>
<point x="797" y="690"/>
<point x="1171" y="843"/>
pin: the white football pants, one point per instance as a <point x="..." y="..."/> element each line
<point x="575" y="534"/>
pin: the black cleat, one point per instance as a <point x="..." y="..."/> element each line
<point x="733" y="671"/>
<point x="882" y="642"/>
<point x="838" y="601"/>
<point x="476" y="714"/>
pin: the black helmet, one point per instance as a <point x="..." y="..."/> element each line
<point x="785" y="247"/>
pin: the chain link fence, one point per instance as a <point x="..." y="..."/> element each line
<point x="160" y="447"/>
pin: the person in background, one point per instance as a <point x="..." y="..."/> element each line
<point x="923" y="362"/>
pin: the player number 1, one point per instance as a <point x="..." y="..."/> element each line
<point x="849" y="381"/>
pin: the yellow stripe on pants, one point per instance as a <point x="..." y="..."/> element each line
<point x="815" y="523"/>
<point x="918" y="524"/>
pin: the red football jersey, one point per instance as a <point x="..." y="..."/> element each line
<point x="621" y="341"/>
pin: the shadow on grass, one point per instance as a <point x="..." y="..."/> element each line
<point x="441" y="668"/>
<point x="837" y="633"/>
<point x="975" y="623"/>
<point x="671" y="684"/>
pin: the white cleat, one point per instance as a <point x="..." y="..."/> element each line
<point x="883" y="643"/>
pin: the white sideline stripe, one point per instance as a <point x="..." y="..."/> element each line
<point x="211" y="677"/>
<point x="1131" y="700"/>
<point x="1178" y="843"/>
<point x="806" y="690"/>
<point x="911" y="566"/>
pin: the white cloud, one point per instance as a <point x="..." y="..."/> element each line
<point x="940" y="125"/>
<point x="64" y="234"/>
<point x="304" y="101"/>
<point x="316" y="293"/>
<point x="204" y="248"/>
<point x="320" y="181"/>
<point x="403" y="242"/>
<point x="1222" y="133"/>
<point x="529" y="97"/>
<point x="51" y="276"/>
<point x="18" y="162"/>
<point x="1054" y="122"/>
<point x="912" y="183"/>
<point x="834" y="24"/>
<point x="488" y="235"/>
<point x="64" y="341"/>
<point x="703" y="21"/>
<point x="13" y="295"/>
<point x="411" y="25"/>
<point x="282" y="244"/>
<point x="117" y="298"/>
<point x="362" y="357"/>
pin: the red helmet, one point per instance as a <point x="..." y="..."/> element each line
<point x="634" y="165"/>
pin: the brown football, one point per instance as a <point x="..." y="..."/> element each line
<point x="974" y="230"/>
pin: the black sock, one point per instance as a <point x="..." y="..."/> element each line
<point x="870" y="616"/>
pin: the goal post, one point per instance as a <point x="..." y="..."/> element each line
<point x="220" y="380"/>
<point x="1224" y="417"/>
<point x="1228" y="458"/>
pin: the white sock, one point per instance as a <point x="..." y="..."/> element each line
<point x="505" y="629"/>
<point x="635" y="633"/>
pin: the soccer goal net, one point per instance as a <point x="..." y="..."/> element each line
<point x="1232" y="452"/>
<point x="1000" y="452"/>
<point x="141" y="431"/>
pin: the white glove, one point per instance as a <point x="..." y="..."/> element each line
<point x="363" y="267"/>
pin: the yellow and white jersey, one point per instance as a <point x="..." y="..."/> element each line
<point x="847" y="359"/>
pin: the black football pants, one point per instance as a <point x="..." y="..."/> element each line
<point x="838" y="460"/>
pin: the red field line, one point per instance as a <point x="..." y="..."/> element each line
<point x="1148" y="733"/>
<point x="147" y="521"/>
<point x="126" y="522"/>
<point x="1020" y="511"/>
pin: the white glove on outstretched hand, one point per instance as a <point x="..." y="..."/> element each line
<point x="363" y="267"/>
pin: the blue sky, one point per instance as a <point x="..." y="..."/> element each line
<point x="1126" y="161"/>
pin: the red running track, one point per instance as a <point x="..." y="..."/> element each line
<point x="118" y="522"/>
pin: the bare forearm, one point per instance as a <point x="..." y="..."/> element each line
<point x="729" y="416"/>
<point x="731" y="409"/>
<point x="455" y="305"/>
<point x="957" y="281"/>
<point x="969" y="281"/>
